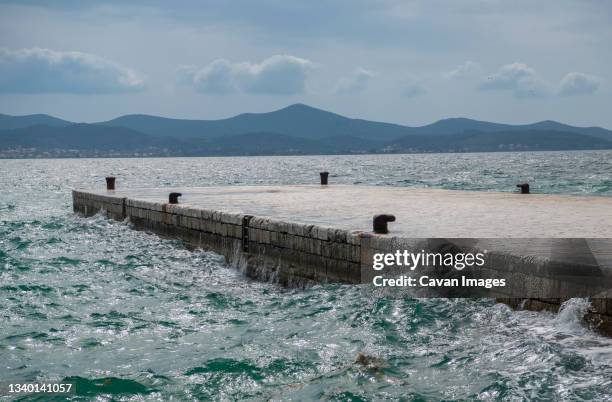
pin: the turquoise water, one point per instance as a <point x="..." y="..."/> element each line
<point x="129" y="316"/>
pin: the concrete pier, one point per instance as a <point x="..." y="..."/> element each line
<point x="549" y="245"/>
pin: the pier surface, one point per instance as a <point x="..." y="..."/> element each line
<point x="423" y="213"/>
<point x="548" y="247"/>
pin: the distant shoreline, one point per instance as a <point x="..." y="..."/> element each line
<point x="294" y="130"/>
<point x="299" y="155"/>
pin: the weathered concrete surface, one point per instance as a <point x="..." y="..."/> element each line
<point x="420" y="213"/>
<point x="310" y="234"/>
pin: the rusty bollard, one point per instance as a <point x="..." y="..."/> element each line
<point x="380" y="223"/>
<point x="524" y="188"/>
<point x="110" y="183"/>
<point x="324" y="178"/>
<point x="173" y="198"/>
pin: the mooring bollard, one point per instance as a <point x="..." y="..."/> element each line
<point x="110" y="183"/>
<point x="324" y="178"/>
<point x="380" y="223"/>
<point x="173" y="198"/>
<point x="524" y="188"/>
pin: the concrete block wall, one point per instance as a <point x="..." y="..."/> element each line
<point x="90" y="204"/>
<point x="304" y="252"/>
<point x="291" y="253"/>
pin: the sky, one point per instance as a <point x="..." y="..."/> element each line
<point x="401" y="61"/>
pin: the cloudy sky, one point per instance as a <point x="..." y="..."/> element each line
<point x="409" y="62"/>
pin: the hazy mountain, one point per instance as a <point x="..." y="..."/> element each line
<point x="261" y="143"/>
<point x="75" y="136"/>
<point x="555" y="126"/>
<point x="311" y="123"/>
<point x="8" y="122"/>
<point x="97" y="140"/>
<point x="93" y="139"/>
<point x="296" y="120"/>
<point x="264" y="143"/>
<point x="460" y="125"/>
<point x="297" y="129"/>
<point x="513" y="140"/>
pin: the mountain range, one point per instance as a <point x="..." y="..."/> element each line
<point x="296" y="129"/>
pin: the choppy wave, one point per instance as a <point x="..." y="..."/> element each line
<point x="127" y="315"/>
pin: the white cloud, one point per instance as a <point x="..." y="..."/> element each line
<point x="48" y="71"/>
<point x="522" y="80"/>
<point x="215" y="78"/>
<point x="355" y="83"/>
<point x="468" y="69"/>
<point x="578" y="84"/>
<point x="279" y="75"/>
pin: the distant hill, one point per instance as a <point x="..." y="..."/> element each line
<point x="260" y="143"/>
<point x="478" y="141"/>
<point x="76" y="138"/>
<point x="9" y="122"/>
<point x="96" y="140"/>
<point x="311" y="123"/>
<point x="264" y="143"/>
<point x="296" y="120"/>
<point x="460" y="125"/>
<point x="297" y="129"/>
